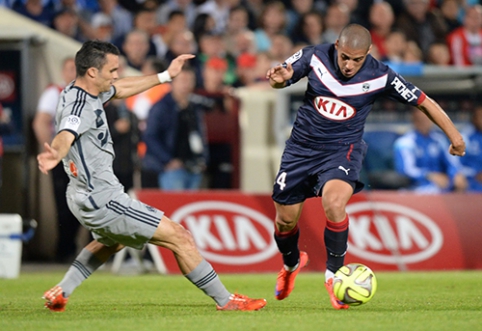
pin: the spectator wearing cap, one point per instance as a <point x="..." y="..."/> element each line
<point x="103" y="28"/>
<point x="245" y="70"/>
<point x="214" y="71"/>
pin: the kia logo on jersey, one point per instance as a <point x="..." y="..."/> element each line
<point x="333" y="109"/>
<point x="227" y="232"/>
<point x="389" y="233"/>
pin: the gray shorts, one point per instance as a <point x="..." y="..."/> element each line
<point x="122" y="220"/>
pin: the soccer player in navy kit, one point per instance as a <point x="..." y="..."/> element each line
<point x="324" y="154"/>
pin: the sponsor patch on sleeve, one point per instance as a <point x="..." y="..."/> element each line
<point x="72" y="123"/>
<point x="295" y="57"/>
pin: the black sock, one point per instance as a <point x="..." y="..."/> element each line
<point x="336" y="238"/>
<point x="288" y="246"/>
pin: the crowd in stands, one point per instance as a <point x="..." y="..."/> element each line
<point x="237" y="41"/>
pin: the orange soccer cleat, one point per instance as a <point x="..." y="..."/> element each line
<point x="285" y="282"/>
<point x="55" y="299"/>
<point x="337" y="304"/>
<point x="243" y="303"/>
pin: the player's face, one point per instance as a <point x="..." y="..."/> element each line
<point x="108" y="74"/>
<point x="350" y="60"/>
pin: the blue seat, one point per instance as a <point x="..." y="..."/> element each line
<point x="378" y="167"/>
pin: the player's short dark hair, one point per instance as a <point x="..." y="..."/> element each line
<point x="355" y="36"/>
<point x="93" y="54"/>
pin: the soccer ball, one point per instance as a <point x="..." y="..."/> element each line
<point x="354" y="284"/>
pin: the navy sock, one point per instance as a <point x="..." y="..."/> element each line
<point x="288" y="246"/>
<point x="336" y="238"/>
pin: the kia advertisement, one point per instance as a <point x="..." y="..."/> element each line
<point x="388" y="230"/>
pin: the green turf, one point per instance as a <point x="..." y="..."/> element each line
<point x="105" y="302"/>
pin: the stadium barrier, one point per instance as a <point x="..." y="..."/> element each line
<point x="389" y="231"/>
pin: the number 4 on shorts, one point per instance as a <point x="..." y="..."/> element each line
<point x="281" y="181"/>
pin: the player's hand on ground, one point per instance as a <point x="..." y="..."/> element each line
<point x="280" y="74"/>
<point x="176" y="65"/>
<point x="48" y="159"/>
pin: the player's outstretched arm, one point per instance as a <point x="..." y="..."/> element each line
<point x="52" y="154"/>
<point x="279" y="75"/>
<point x="440" y="118"/>
<point x="129" y="86"/>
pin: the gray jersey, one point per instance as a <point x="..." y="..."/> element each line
<point x="89" y="160"/>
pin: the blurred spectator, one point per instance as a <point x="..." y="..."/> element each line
<point x="395" y="46"/>
<point x="244" y="42"/>
<point x="145" y="20"/>
<point x="219" y="10"/>
<point x="237" y="23"/>
<point x="421" y="25"/>
<point x="175" y="137"/>
<point x="281" y="49"/>
<point x="438" y="54"/>
<point x="296" y="9"/>
<point x="102" y="27"/>
<point x="141" y="103"/>
<point x="356" y="14"/>
<point x="413" y="54"/>
<point x="246" y="70"/>
<point x="176" y="23"/>
<point x="203" y="24"/>
<point x="121" y="18"/>
<point x="472" y="161"/>
<point x="450" y="12"/>
<point x="135" y="48"/>
<point x="66" y="22"/>
<point x="422" y="155"/>
<point x="123" y="128"/>
<point x="43" y="126"/>
<point x="36" y="10"/>
<point x="83" y="9"/>
<point x="336" y="18"/>
<point x="220" y="121"/>
<point x="381" y="23"/>
<point x="185" y="6"/>
<point x="183" y="43"/>
<point x="309" y="29"/>
<point x="271" y="22"/>
<point x="465" y="43"/>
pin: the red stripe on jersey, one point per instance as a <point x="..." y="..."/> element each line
<point x="349" y="152"/>
<point x="422" y="98"/>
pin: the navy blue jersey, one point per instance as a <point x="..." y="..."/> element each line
<point x="335" y="108"/>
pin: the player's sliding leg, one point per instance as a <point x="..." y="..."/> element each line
<point x="90" y="259"/>
<point x="200" y="272"/>
<point x="336" y="194"/>
<point x="286" y="237"/>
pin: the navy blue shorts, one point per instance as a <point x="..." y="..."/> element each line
<point x="304" y="171"/>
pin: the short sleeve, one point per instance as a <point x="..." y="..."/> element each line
<point x="399" y="89"/>
<point x="300" y="62"/>
<point x="77" y="122"/>
<point x="106" y="96"/>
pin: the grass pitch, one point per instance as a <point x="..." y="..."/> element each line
<point x="404" y="301"/>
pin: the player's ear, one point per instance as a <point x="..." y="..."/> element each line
<point x="92" y="72"/>
<point x="369" y="49"/>
<point x="336" y="44"/>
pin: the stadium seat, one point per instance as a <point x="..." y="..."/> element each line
<point x="379" y="171"/>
